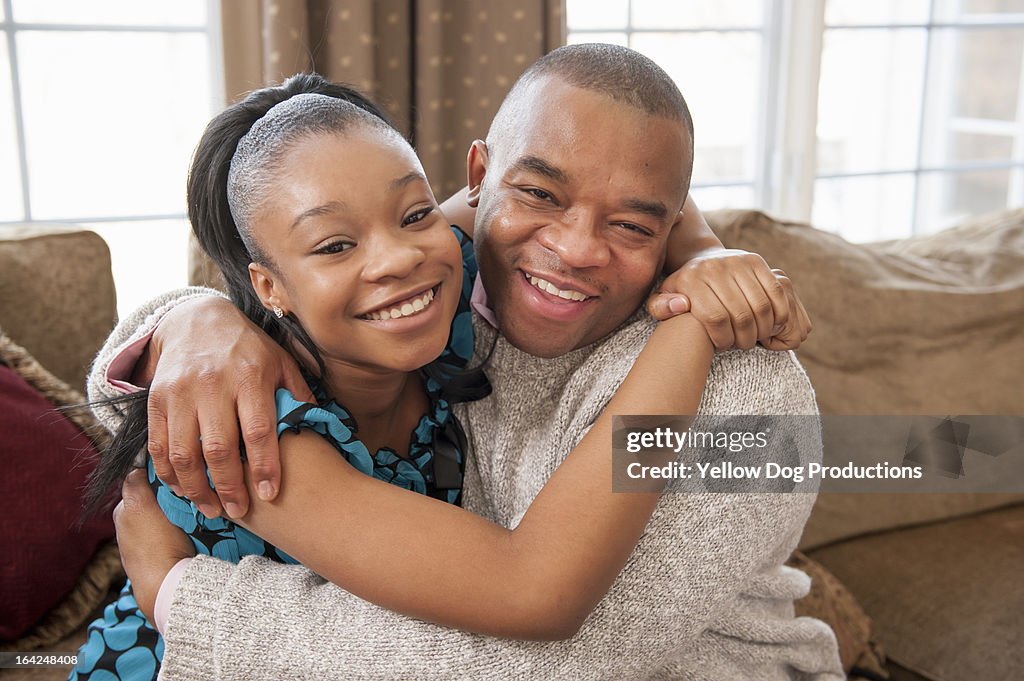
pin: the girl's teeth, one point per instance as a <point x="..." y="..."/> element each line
<point x="548" y="287"/>
<point x="407" y="309"/>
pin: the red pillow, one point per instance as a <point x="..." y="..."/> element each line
<point x="43" y="457"/>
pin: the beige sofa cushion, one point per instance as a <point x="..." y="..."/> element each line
<point x="927" y="325"/>
<point x="57" y="296"/>
<point x="946" y="599"/>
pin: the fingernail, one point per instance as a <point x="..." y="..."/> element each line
<point x="266" y="490"/>
<point x="677" y="305"/>
<point x="177" y="490"/>
<point x="207" y="510"/>
<point x="233" y="509"/>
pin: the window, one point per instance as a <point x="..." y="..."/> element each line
<point x="873" y="118"/>
<point x="101" y="105"/>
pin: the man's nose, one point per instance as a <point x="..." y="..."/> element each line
<point x="579" y="240"/>
<point x="392" y="254"/>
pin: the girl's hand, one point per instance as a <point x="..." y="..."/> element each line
<point x="150" y="545"/>
<point x="738" y="299"/>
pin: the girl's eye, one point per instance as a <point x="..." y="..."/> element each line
<point x="335" y="247"/>
<point x="417" y="216"/>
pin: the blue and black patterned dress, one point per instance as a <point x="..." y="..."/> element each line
<point x="124" y="645"/>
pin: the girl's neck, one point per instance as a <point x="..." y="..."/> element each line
<point x="386" y="405"/>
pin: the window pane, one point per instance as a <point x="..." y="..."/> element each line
<point x="965" y="147"/>
<point x="10" y="176"/>
<point x="587" y="14"/>
<point x="147" y="258"/>
<point x="869" y="101"/>
<point x="874" y="12"/>
<point x="116" y="144"/>
<point x="985" y="66"/>
<point x="865" y="208"/>
<point x="945" y="199"/>
<point x="724" y="101"/>
<point x="613" y="38"/>
<point x="698" y="14"/>
<point x="966" y="8"/>
<point x="111" y="12"/>
<point x="713" y="198"/>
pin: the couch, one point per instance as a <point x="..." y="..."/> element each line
<point x="926" y="325"/>
<point x="931" y="325"/>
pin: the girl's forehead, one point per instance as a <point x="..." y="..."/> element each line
<point x="345" y="175"/>
<point x="358" y="148"/>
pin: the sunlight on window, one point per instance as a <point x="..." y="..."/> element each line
<point x="113" y="106"/>
<point x="10" y="175"/>
<point x="920" y="121"/>
<point x="148" y="258"/>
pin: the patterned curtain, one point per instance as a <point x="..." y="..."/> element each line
<point x="439" y="67"/>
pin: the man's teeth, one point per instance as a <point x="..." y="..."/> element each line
<point x="406" y="310"/>
<point x="548" y="287"/>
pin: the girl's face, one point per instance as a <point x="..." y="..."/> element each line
<point x="360" y="252"/>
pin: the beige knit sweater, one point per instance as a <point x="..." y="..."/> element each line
<point x="705" y="595"/>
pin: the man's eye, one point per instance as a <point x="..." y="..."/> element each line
<point x="539" y="194"/>
<point x="335" y="247"/>
<point x="417" y="216"/>
<point x="629" y="226"/>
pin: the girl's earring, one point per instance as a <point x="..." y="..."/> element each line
<point x="278" y="312"/>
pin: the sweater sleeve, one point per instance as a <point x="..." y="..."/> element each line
<point x="701" y="555"/>
<point x="133" y="329"/>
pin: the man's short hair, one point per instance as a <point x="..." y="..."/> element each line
<point x="623" y="74"/>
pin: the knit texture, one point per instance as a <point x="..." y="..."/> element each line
<point x="705" y="595"/>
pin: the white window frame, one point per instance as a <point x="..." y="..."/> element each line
<point x="793" y="33"/>
<point x="12" y="28"/>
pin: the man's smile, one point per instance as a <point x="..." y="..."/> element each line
<point x="544" y="299"/>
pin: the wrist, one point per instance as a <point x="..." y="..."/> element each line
<point x="690" y="334"/>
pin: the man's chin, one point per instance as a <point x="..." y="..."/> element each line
<point x="546" y="345"/>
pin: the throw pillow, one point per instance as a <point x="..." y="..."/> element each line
<point x="46" y="456"/>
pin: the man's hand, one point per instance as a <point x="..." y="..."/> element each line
<point x="150" y="545"/>
<point x="216" y="373"/>
<point x="738" y="298"/>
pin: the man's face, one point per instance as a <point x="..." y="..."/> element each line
<point x="574" y="215"/>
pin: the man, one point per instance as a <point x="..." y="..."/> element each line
<point x="581" y="180"/>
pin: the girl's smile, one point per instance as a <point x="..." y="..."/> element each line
<point x="360" y="253"/>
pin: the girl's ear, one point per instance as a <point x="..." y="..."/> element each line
<point x="476" y="169"/>
<point x="267" y="288"/>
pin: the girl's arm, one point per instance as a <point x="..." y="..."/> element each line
<point x="424" y="558"/>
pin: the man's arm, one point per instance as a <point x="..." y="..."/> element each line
<point x="209" y="370"/>
<point x="259" y="619"/>
<point x="114" y="368"/>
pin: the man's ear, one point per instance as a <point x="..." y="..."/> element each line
<point x="476" y="169"/>
<point x="266" y="287"/>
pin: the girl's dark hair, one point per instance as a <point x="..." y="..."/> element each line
<point x="218" y="234"/>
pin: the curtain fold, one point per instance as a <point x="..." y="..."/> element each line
<point x="440" y="68"/>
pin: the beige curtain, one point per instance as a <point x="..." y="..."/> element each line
<point x="439" y="67"/>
